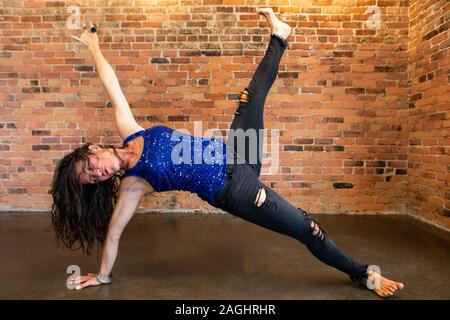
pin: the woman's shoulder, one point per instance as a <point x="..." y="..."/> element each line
<point x="145" y="132"/>
<point x="135" y="184"/>
<point x="158" y="127"/>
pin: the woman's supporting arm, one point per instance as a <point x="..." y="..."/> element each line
<point x="124" y="210"/>
<point x="130" y="191"/>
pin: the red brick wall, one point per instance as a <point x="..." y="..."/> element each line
<point x="341" y="99"/>
<point x="429" y="105"/>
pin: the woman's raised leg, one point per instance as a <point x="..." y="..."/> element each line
<point x="245" y="138"/>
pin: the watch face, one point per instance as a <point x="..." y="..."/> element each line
<point x="103" y="279"/>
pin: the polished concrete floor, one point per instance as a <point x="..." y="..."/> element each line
<point x="224" y="257"/>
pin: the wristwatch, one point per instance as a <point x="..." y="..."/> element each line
<point x="103" y="279"/>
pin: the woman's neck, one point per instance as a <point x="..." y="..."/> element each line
<point x="127" y="156"/>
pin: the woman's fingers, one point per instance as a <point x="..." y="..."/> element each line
<point x="76" y="38"/>
<point x="90" y="282"/>
<point x="85" y="281"/>
<point x="88" y="37"/>
<point x="80" y="279"/>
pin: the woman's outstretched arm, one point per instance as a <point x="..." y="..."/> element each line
<point x="126" y="123"/>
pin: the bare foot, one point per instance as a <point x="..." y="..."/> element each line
<point x="381" y="285"/>
<point x="277" y="27"/>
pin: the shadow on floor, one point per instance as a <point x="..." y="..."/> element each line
<point x="224" y="257"/>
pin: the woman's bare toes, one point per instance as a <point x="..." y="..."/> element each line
<point x="383" y="286"/>
<point x="264" y="11"/>
<point x="382" y="292"/>
<point x="277" y="27"/>
<point x="390" y="291"/>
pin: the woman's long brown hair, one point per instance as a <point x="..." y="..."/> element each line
<point x="81" y="212"/>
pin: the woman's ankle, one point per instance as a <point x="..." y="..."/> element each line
<point x="284" y="43"/>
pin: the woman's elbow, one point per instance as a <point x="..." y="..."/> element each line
<point x="114" y="235"/>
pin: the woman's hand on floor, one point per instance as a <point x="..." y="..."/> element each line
<point x="85" y="281"/>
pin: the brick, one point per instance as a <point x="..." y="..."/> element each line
<point x="38" y="147"/>
<point x="385" y="69"/>
<point x="334" y="148"/>
<point x="303" y="141"/>
<point x="401" y="171"/>
<point x="5" y="54"/>
<point x="177" y="118"/>
<point x="339" y="69"/>
<point x="343" y="53"/>
<point x="354" y="163"/>
<point x="342" y="185"/>
<point x="323" y="141"/>
<point x="292" y="148"/>
<point x="355" y="90"/>
<point x="84" y="68"/>
<point x="54" y="4"/>
<point x="30" y="19"/>
<point x="41" y="132"/>
<point x="430" y="34"/>
<point x="4" y="75"/>
<point x="288" y="119"/>
<point x="17" y="190"/>
<point x="314" y="148"/>
<point x="375" y="163"/>
<point x="54" y="104"/>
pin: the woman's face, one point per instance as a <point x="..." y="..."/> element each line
<point x="102" y="165"/>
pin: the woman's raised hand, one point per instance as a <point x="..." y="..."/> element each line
<point x="89" y="38"/>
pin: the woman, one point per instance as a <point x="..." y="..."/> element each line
<point x="86" y="182"/>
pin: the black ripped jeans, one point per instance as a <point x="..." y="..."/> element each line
<point x="241" y="190"/>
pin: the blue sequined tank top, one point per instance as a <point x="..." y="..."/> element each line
<point x="172" y="160"/>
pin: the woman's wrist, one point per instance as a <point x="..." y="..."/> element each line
<point x="95" y="49"/>
<point x="103" y="279"/>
